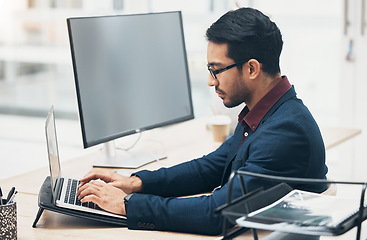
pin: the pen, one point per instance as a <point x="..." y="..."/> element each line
<point x="1" y="197"/>
<point x="11" y="192"/>
<point x="12" y="197"/>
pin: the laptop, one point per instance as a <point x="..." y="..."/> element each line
<point x="63" y="188"/>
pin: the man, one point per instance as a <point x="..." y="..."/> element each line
<point x="276" y="135"/>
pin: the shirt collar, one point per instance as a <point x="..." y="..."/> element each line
<point x="252" y="118"/>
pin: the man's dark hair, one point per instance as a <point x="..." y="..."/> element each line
<point x="249" y="35"/>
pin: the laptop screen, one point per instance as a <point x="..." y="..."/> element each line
<point x="53" y="153"/>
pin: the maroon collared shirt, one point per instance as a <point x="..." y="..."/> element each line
<point x="251" y="119"/>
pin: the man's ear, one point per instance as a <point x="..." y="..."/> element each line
<point x="254" y="68"/>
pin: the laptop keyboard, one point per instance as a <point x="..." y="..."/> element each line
<point x="71" y="198"/>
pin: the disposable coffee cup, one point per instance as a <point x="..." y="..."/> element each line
<point x="8" y="220"/>
<point x="220" y="127"/>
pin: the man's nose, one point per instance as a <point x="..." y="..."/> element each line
<point x="212" y="81"/>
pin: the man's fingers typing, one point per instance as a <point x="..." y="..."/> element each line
<point x="92" y="187"/>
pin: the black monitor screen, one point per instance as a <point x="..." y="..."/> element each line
<point x="130" y="73"/>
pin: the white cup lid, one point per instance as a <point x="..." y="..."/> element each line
<point x="220" y="120"/>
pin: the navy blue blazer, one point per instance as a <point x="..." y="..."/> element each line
<point x="287" y="143"/>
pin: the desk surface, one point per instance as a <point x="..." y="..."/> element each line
<point x="334" y="136"/>
<point x="187" y="147"/>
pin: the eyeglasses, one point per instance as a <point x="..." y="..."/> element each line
<point x="215" y="72"/>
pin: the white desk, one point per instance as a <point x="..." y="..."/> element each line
<point x="58" y="226"/>
<point x="334" y="136"/>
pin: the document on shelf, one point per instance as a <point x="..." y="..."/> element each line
<point x="305" y="213"/>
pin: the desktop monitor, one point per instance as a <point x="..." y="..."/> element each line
<point x="131" y="75"/>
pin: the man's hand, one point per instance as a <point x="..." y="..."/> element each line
<point x="126" y="184"/>
<point x="105" y="195"/>
<point x="109" y="193"/>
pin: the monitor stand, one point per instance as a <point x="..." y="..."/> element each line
<point x="117" y="158"/>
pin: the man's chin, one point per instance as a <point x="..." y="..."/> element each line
<point x="229" y="104"/>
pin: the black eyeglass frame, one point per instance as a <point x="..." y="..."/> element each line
<point x="214" y="73"/>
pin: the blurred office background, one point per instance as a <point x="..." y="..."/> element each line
<point x="324" y="56"/>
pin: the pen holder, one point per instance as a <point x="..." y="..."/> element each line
<point x="8" y="221"/>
